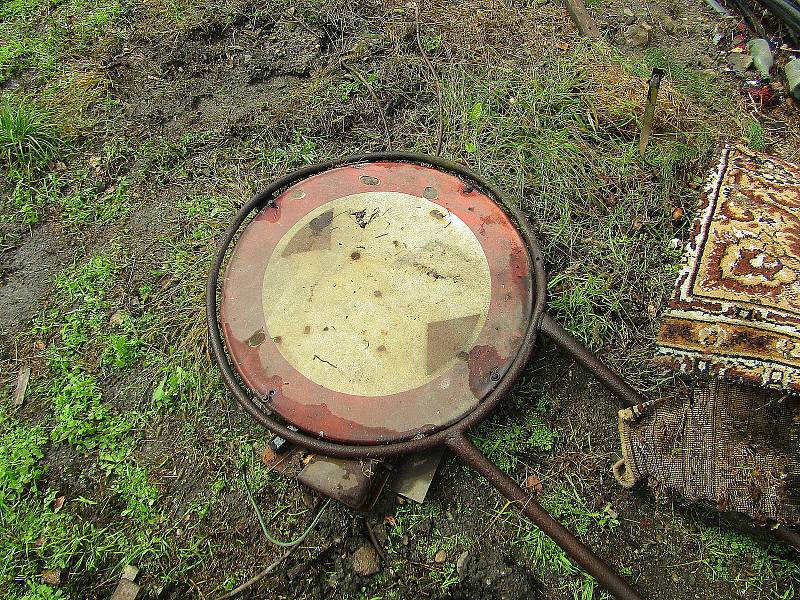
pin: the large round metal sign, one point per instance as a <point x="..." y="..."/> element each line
<point x="376" y="302"/>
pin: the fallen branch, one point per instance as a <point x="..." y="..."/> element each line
<point x="256" y="578"/>
<point x="440" y="126"/>
<point x="583" y="19"/>
<point x="381" y="109"/>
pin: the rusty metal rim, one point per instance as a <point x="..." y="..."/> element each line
<point x="395" y="448"/>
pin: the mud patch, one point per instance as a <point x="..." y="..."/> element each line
<point x="493" y="576"/>
<point x="26" y="276"/>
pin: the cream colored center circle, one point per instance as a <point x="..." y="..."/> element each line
<point x="376" y="293"/>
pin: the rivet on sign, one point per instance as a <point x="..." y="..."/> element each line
<point x="256" y="339"/>
<point x="298" y="194"/>
<point x="430" y="193"/>
<point x="369" y="180"/>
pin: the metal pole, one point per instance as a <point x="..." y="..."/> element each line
<point x="583" y="556"/>
<point x="588" y="360"/>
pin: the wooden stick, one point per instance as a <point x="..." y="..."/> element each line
<point x="650" y="109"/>
<point x="254" y="580"/>
<point x="583" y="19"/>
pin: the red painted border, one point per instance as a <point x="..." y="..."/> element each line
<point x="359" y="419"/>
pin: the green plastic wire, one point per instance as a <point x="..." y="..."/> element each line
<point x="267" y="534"/>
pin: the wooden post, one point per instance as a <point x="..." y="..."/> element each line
<point x="583" y="19"/>
<point x="650" y="109"/>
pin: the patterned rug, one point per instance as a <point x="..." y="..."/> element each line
<point x="735" y="445"/>
<point x="735" y="312"/>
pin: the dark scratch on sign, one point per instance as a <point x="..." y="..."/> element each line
<point x="362" y="219"/>
<point x="327" y="362"/>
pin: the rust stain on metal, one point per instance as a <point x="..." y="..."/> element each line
<point x="354" y="483"/>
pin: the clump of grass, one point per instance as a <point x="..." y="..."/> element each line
<point x="82" y="204"/>
<point x="507" y="445"/>
<point x="82" y="419"/>
<point x="134" y="488"/>
<point x="28" y="135"/>
<point x="735" y="557"/>
<point x="754" y="135"/>
<point x="21" y="451"/>
<point x="569" y="508"/>
<point x="43" y="36"/>
<point x="586" y="304"/>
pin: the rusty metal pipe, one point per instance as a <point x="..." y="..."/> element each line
<point x="589" y="361"/>
<point x="528" y="506"/>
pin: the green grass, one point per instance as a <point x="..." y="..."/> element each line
<point x="698" y="85"/>
<point x="133" y="488"/>
<point x="564" y="146"/>
<point x="739" y="559"/>
<point x="754" y="135"/>
<point x="507" y="445"/>
<point x="44" y="35"/>
<point x="36" y="534"/>
<point x="82" y="204"/>
<point x="29" y="137"/>
<point x="21" y="451"/>
<point x="82" y="348"/>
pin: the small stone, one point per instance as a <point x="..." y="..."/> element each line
<point x="404" y="540"/>
<point x="628" y="12"/>
<point x="126" y="590"/>
<point x="740" y="62"/>
<point x="440" y="557"/>
<point x="51" y="576"/>
<point x="630" y="20"/>
<point x="637" y="36"/>
<point x="365" y="560"/>
<point x="675" y="577"/>
<point x="532" y="482"/>
<point x="461" y="563"/>
<point x="268" y="456"/>
<point x="668" y="24"/>
<point x="762" y="56"/>
<point x="677" y="214"/>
